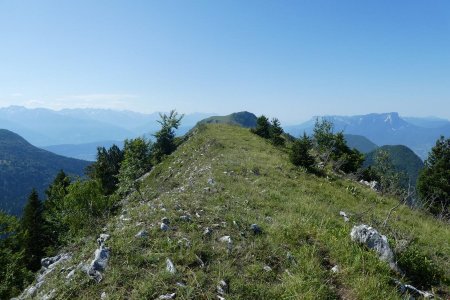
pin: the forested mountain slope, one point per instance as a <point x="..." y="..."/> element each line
<point x="24" y="167"/>
<point x="241" y="222"/>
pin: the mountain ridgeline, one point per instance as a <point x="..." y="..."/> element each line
<point x="243" y="118"/>
<point x="228" y="216"/>
<point x="23" y="167"/>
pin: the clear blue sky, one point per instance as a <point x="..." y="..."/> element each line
<point x="290" y="59"/>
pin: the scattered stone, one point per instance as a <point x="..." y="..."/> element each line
<point x="167" y="296"/>
<point x="184" y="242"/>
<point x="335" y="269"/>
<point x="267" y="268"/>
<point x="103" y="238"/>
<point x="207" y="232"/>
<point x="71" y="274"/>
<point x="181" y="284"/>
<point x="186" y="218"/>
<point x="372" y="184"/>
<point x="100" y="261"/>
<point x="49" y="295"/>
<point x="227" y="239"/>
<point x="222" y="288"/>
<point x="164" y="227"/>
<point x="211" y="181"/>
<point x="51" y="262"/>
<point x="123" y="218"/>
<point x="165" y="221"/>
<point x="103" y="296"/>
<point x="170" y="267"/>
<point x="343" y="214"/>
<point x="256" y="229"/>
<point x="142" y="234"/>
<point x="413" y="291"/>
<point x="370" y="237"/>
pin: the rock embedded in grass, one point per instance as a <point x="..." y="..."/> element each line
<point x="343" y="214"/>
<point x="165" y="221"/>
<point x="207" y="232"/>
<point x="222" y="288"/>
<point x="167" y="296"/>
<point x="170" y="267"/>
<point x="370" y="237"/>
<point x="142" y="234"/>
<point x="164" y="227"/>
<point x="255" y="229"/>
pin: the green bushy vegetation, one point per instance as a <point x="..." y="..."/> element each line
<point x="434" y="180"/>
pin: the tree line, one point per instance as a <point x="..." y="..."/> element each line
<point x="75" y="208"/>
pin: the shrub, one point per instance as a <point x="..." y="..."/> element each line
<point x="300" y="153"/>
<point x="421" y="270"/>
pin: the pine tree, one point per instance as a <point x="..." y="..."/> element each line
<point x="434" y="180"/>
<point x="106" y="168"/>
<point x="53" y="213"/>
<point x="262" y="127"/>
<point x="33" y="237"/>
<point x="165" y="138"/>
<point x="276" y="132"/>
<point x="136" y="162"/>
<point x="300" y="152"/>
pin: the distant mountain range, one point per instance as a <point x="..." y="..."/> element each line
<point x="46" y="127"/>
<point x="23" y="167"/>
<point x="419" y="134"/>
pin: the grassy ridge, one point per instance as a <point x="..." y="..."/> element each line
<point x="254" y="182"/>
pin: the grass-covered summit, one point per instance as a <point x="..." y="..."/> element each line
<point x="210" y="191"/>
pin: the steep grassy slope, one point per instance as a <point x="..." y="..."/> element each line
<point x="24" y="167"/>
<point x="226" y="179"/>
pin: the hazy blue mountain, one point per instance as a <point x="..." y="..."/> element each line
<point x="56" y="128"/>
<point x="45" y="127"/>
<point x="243" y="118"/>
<point x="86" y="151"/>
<point x="24" y="167"/>
<point x="427" y="122"/>
<point x="361" y="143"/>
<point x="403" y="159"/>
<point x="383" y="129"/>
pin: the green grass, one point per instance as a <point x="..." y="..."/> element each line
<point x="303" y="234"/>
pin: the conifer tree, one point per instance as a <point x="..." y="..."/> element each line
<point x="33" y="237"/>
<point x="262" y="127"/>
<point x="137" y="161"/>
<point x="300" y="152"/>
<point x="434" y="180"/>
<point x="276" y="132"/>
<point x="165" y="138"/>
<point x="107" y="167"/>
<point x="53" y="208"/>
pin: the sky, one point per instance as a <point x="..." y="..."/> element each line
<point x="288" y="59"/>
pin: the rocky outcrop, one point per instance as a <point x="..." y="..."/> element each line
<point x="48" y="264"/>
<point x="100" y="261"/>
<point x="372" y="239"/>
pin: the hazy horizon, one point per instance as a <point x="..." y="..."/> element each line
<point x="292" y="60"/>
